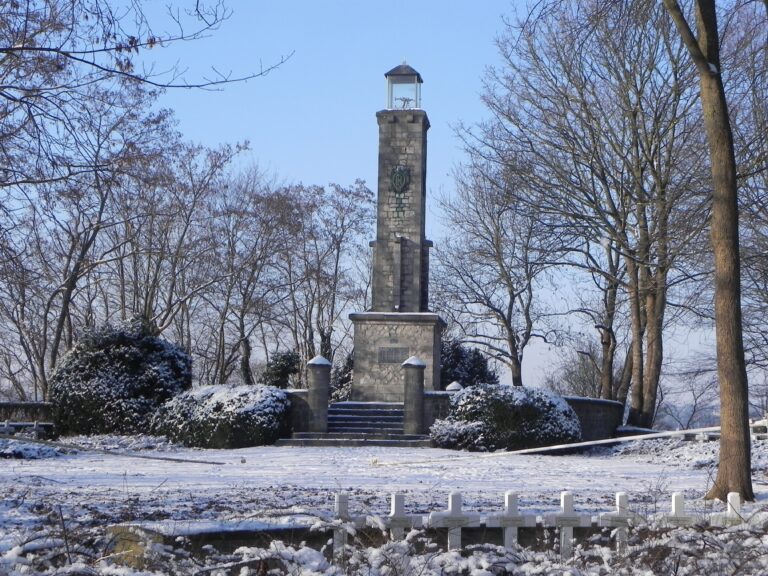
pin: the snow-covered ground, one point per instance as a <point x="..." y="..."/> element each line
<point x="90" y="489"/>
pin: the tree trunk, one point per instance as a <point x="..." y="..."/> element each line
<point x="626" y="378"/>
<point x="608" y="338"/>
<point x="654" y="354"/>
<point x="636" y="403"/>
<point x="608" y="342"/>
<point x="734" y="471"/>
<point x="735" y="468"/>
<point x="515" y="360"/>
<point x="326" y="344"/>
<point x="245" y="359"/>
<point x="517" y="372"/>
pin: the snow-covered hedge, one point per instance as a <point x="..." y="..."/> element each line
<point x="114" y="378"/>
<point x="224" y="416"/>
<point x="494" y="417"/>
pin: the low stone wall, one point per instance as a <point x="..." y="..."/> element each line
<point x="436" y="405"/>
<point x="26" y="411"/>
<point x="599" y="418"/>
<point x="299" y="410"/>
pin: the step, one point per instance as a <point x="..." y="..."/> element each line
<point x="368" y="414"/>
<point x="365" y="408"/>
<point x="364" y="414"/>
<point x="39" y="429"/>
<point x="358" y="436"/>
<point x="361" y="424"/>
<point x="353" y="420"/>
<point x="349" y="442"/>
<point x="365" y="430"/>
<point x="370" y="430"/>
<point x="368" y="405"/>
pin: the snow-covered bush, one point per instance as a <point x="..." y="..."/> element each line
<point x="493" y="417"/>
<point x="224" y="417"/>
<point x="114" y="378"/>
<point x="19" y="449"/>
<point x="458" y="435"/>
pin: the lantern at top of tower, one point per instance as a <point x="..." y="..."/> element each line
<point x="403" y="88"/>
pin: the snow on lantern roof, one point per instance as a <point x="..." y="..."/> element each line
<point x="404" y="70"/>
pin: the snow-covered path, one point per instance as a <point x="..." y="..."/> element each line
<point x="88" y="491"/>
<point x="268" y="480"/>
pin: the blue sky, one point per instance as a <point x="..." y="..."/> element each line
<point x="313" y="119"/>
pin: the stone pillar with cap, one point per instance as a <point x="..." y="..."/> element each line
<point x="319" y="376"/>
<point x="454" y="387"/>
<point x="413" y="395"/>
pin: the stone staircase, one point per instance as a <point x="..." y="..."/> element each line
<point x="361" y="424"/>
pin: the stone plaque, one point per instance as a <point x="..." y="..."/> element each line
<point x="393" y="355"/>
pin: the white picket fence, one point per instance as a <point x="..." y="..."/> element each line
<point x="510" y="519"/>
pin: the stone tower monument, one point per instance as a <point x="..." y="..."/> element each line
<point x="399" y="324"/>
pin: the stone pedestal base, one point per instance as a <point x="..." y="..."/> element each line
<point x="383" y="341"/>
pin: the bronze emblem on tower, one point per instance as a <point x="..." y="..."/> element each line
<point x="399" y="179"/>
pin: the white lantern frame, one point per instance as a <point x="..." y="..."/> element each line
<point x="403" y="88"/>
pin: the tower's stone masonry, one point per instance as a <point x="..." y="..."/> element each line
<point x="401" y="271"/>
<point x="399" y="324"/>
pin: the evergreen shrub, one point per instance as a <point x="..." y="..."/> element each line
<point x="495" y="417"/>
<point x="224" y="416"/>
<point x="115" y="377"/>
<point x="280" y="368"/>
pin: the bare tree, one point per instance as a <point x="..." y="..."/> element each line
<point x="54" y="231"/>
<point x="758" y="397"/>
<point x="76" y="133"/>
<point x="578" y="373"/>
<point x="747" y="84"/>
<point x="691" y="400"/>
<point x="734" y="471"/>
<point x="52" y="52"/>
<point x="488" y="269"/>
<point x="596" y="113"/>
<point x="249" y="223"/>
<point x="602" y="305"/>
<point x="317" y="265"/>
<point x="164" y="238"/>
